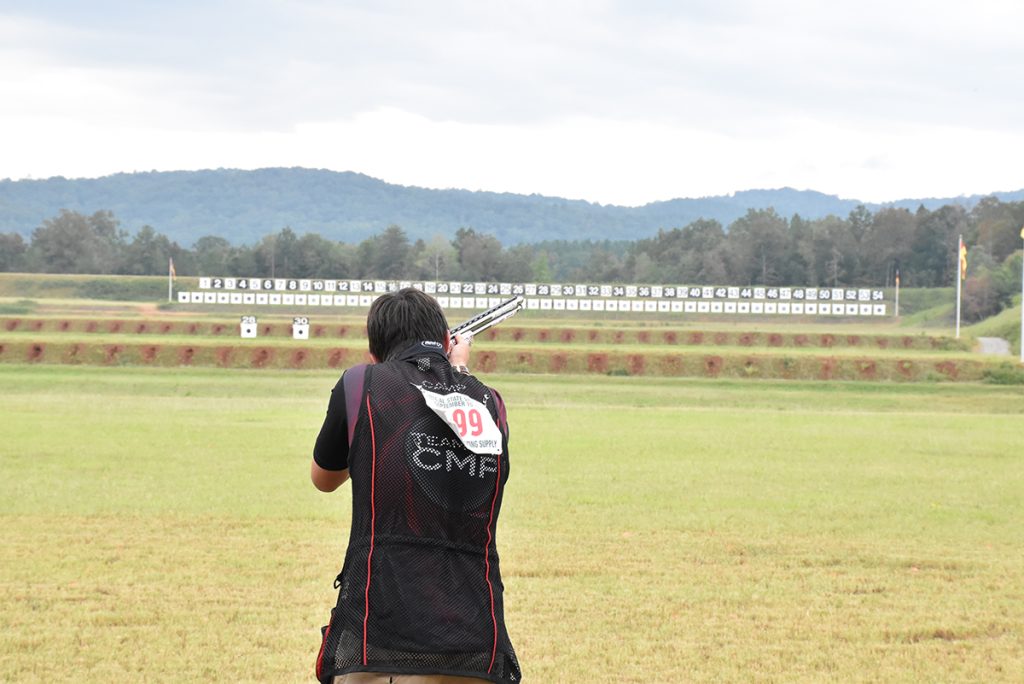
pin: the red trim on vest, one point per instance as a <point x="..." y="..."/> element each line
<point x="320" y="655"/>
<point x="502" y="415"/>
<point x="373" y="520"/>
<point x="487" y="565"/>
<point x="353" y="382"/>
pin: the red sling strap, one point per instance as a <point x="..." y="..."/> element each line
<point x="353" y="383"/>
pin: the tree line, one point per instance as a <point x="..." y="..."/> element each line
<point x="761" y="248"/>
<point x="242" y="206"/>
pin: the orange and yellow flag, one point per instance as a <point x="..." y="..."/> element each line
<point x="963" y="260"/>
<point x="170" y="269"/>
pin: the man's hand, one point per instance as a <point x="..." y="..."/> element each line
<point x="458" y="353"/>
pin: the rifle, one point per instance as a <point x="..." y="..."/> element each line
<point x="490" y="318"/>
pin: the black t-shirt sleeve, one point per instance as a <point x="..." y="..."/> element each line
<point x="331" y="449"/>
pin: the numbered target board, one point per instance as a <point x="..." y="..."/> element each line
<point x="662" y="299"/>
<point x="248" y="327"/>
<point x="300" y="328"/>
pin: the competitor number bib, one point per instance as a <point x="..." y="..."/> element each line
<point x="468" y="418"/>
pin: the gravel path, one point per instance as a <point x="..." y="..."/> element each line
<point x="994" y="345"/>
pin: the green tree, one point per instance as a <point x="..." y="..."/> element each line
<point x="285" y="253"/>
<point x="341" y="262"/>
<point x="12" y="252"/>
<point x="392" y="258"/>
<point x="934" y="256"/>
<point x="265" y="255"/>
<point x="147" y="253"/>
<point x="990" y="291"/>
<point x="758" y="242"/>
<point x="642" y="267"/>
<point x="516" y="264"/>
<point x="479" y="255"/>
<point x="859" y="220"/>
<point x="74" y="243"/>
<point x="212" y="255"/>
<point x="704" y="254"/>
<point x="241" y="262"/>
<point x="997" y="226"/>
<point x="540" y="267"/>
<point x="435" y="260"/>
<point x="797" y="268"/>
<point x="317" y="257"/>
<point x="888" y="241"/>
<point x="602" y="266"/>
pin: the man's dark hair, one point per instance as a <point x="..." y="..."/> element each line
<point x="397" y="319"/>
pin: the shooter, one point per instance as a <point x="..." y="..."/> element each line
<point x="420" y="596"/>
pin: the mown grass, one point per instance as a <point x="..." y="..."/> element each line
<point x="1005" y="324"/>
<point x="159" y="524"/>
<point x="941" y="315"/>
<point x="79" y="312"/>
<point x="68" y="294"/>
<point x="107" y="287"/>
<point x="867" y="348"/>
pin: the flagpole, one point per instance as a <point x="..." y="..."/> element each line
<point x="1022" y="298"/>
<point x="170" y="269"/>
<point x="897" y="292"/>
<point x="959" y="251"/>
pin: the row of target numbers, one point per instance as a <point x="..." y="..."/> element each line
<point x="551" y="304"/>
<point x="809" y="294"/>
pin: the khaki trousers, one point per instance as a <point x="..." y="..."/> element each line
<point x="383" y="678"/>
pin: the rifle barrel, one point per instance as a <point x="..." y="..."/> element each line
<point x="482" y="321"/>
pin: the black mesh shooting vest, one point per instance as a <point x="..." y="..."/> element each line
<point x="420" y="590"/>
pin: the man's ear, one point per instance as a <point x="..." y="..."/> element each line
<point x="447" y="341"/>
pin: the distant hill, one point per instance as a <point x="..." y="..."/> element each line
<point x="243" y="206"/>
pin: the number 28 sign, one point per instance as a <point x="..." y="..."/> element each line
<point x="468" y="418"/>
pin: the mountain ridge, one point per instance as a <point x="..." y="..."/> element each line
<point x="243" y="206"/>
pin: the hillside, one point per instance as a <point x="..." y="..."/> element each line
<point x="242" y="206"/>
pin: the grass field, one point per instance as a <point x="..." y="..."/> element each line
<point x="125" y="333"/>
<point x="496" y="346"/>
<point x="159" y="524"/>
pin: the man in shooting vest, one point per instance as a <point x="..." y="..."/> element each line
<point x="426" y="445"/>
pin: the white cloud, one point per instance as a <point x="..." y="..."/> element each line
<point x="613" y="102"/>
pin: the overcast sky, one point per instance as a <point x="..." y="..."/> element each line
<point x="614" y="102"/>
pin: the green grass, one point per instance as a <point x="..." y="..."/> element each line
<point x="1005" y="324"/>
<point x="917" y="299"/>
<point x="939" y="316"/>
<point x="278" y="341"/>
<point x="105" y="287"/>
<point x="19" y="307"/>
<point x="80" y="294"/>
<point x="159" y="524"/>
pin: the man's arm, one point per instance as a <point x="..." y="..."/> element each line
<point x="327" y="480"/>
<point x="329" y="469"/>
